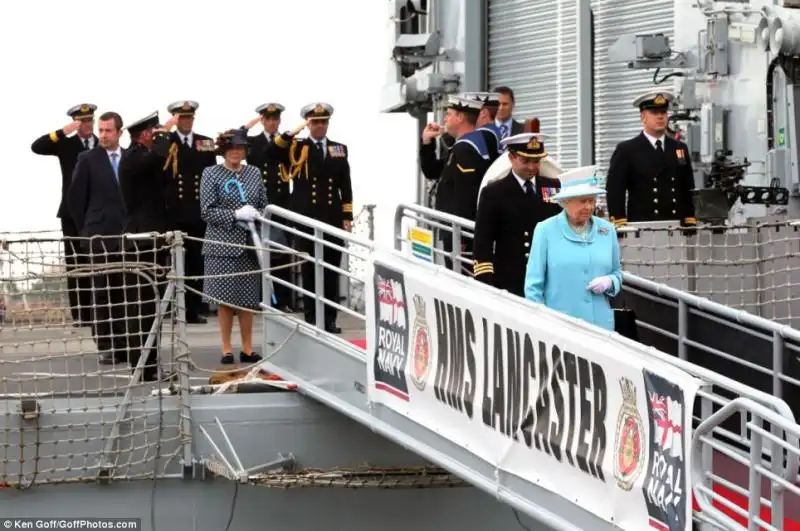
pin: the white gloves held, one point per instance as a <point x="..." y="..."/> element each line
<point x="247" y="213"/>
<point x="600" y="285"/>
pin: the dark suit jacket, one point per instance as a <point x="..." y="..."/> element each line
<point x="143" y="184"/>
<point x="517" y="127"/>
<point x="67" y="150"/>
<point x="183" y="186"/>
<point x="95" y="201"/>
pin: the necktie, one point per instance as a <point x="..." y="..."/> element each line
<point x="115" y="164"/>
<point x="321" y="151"/>
<point x="271" y="138"/>
<point x="186" y="142"/>
<point x="504" y="130"/>
<point x="86" y="143"/>
<point x="659" y="148"/>
<point x="528" y="188"/>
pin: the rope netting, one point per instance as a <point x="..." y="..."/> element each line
<point x="77" y="316"/>
<point x="748" y="267"/>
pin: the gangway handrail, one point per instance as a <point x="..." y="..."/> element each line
<point x="779" y="483"/>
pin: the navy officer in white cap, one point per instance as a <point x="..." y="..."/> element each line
<point x="652" y="170"/>
<point x="322" y="190"/>
<point x="190" y="153"/>
<point x="275" y="177"/>
<point x="508" y="212"/>
<point x="62" y="144"/>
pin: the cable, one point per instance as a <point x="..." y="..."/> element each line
<point x="233" y="505"/>
<point x="519" y="520"/>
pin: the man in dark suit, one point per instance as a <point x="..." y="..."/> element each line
<point x="190" y="153"/>
<point x="321" y="190"/>
<point x="95" y="203"/>
<point x="60" y="144"/>
<point x="508" y="211"/>
<point x="277" y="183"/>
<point x="650" y="176"/>
<point x="143" y="188"/>
<point x="504" y="118"/>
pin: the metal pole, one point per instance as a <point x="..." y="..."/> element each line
<point x="179" y="253"/>
<point x="319" y="279"/>
<point x="585" y="84"/>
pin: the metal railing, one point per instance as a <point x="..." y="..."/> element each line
<point x="735" y="438"/>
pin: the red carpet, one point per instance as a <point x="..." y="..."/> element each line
<point x="360" y="343"/>
<point x="741" y="501"/>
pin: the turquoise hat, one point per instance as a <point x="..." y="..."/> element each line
<point x="580" y="182"/>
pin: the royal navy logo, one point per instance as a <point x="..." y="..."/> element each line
<point x="421" y="337"/>
<point x="628" y="462"/>
<point x="660" y="100"/>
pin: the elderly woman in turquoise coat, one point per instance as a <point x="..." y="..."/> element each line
<point x="574" y="263"/>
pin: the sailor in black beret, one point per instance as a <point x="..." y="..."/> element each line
<point x="650" y="177"/>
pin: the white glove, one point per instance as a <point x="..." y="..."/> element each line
<point x="246" y="213"/>
<point x="600" y="285"/>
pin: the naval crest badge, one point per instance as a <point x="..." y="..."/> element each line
<point x="186" y="106"/>
<point x="421" y="340"/>
<point x="660" y="100"/>
<point x="271" y="108"/>
<point x="84" y="108"/>
<point x="534" y="143"/>
<point x="628" y="462"/>
<point x="319" y="109"/>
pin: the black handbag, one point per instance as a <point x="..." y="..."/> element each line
<point x="625" y="323"/>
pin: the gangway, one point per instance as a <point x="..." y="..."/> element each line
<point x="737" y="428"/>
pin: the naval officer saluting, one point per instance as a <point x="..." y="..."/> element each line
<point x="653" y="169"/>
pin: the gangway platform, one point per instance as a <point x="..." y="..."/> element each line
<point x="571" y="426"/>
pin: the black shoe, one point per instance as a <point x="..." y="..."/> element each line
<point x="286" y="309"/>
<point x="249" y="358"/>
<point x="331" y="328"/>
<point x="227" y="359"/>
<point x="197" y="319"/>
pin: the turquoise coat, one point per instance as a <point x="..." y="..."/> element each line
<point x="561" y="264"/>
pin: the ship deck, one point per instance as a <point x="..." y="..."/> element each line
<point x="62" y="359"/>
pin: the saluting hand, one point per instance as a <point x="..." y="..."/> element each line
<point x="252" y="123"/>
<point x="431" y="131"/>
<point x="347" y="225"/>
<point x="299" y="128"/>
<point x="172" y="122"/>
<point x="71" y="127"/>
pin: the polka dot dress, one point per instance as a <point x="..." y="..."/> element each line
<point x="222" y="192"/>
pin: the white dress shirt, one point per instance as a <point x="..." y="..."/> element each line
<point x="653" y="139"/>
<point x="521" y="181"/>
<point x="184" y="138"/>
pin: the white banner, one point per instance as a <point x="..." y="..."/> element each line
<point x="544" y="397"/>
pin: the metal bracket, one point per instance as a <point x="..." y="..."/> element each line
<point x="29" y="409"/>
<point x="240" y="474"/>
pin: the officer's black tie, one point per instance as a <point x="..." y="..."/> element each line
<point x="659" y="147"/>
<point x="186" y="142"/>
<point x="528" y="188"/>
<point x="271" y="137"/>
<point x="319" y="147"/>
<point x="86" y="143"/>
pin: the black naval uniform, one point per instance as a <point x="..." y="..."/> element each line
<point x="143" y="185"/>
<point x="459" y="179"/>
<point x="277" y="183"/>
<point x="67" y="150"/>
<point x="508" y="211"/>
<point x="507" y="216"/>
<point x="658" y="182"/>
<point x="322" y="190"/>
<point x="184" y="167"/>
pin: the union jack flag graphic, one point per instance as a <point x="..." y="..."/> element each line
<point x="667" y="416"/>
<point x="391" y="306"/>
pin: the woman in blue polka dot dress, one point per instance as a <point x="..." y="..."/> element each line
<point x="230" y="193"/>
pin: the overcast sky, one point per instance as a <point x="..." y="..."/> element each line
<point x="137" y="57"/>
